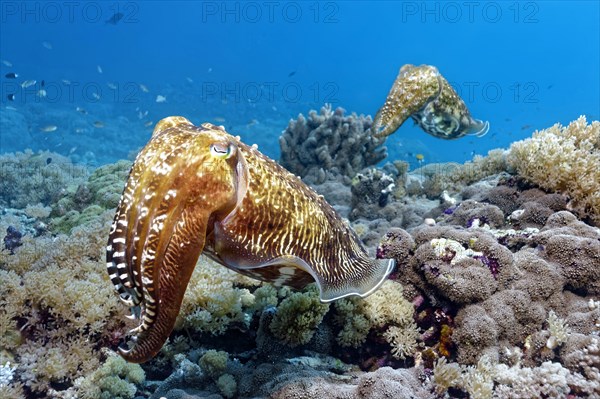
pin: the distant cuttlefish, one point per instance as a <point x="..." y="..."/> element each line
<point x="197" y="189"/>
<point x="422" y="93"/>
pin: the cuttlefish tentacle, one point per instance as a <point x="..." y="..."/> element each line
<point x="196" y="190"/>
<point x="423" y="94"/>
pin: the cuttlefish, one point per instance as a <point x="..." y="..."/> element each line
<point x="197" y="189"/>
<point x="422" y="93"/>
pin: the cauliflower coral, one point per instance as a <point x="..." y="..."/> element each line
<point x="565" y="160"/>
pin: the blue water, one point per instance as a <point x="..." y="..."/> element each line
<point x="252" y="66"/>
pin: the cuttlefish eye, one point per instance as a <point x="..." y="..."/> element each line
<point x="221" y="150"/>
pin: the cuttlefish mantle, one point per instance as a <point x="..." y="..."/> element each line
<point x="197" y="189"/>
<point x="422" y="93"/>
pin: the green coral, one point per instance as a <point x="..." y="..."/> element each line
<point x="565" y="160"/>
<point x="73" y="218"/>
<point x="116" y="379"/>
<point x="265" y="297"/>
<point x="84" y="201"/>
<point x="351" y="314"/>
<point x="214" y="363"/>
<point x="106" y="183"/>
<point x="298" y="316"/>
<point x="28" y="178"/>
<point x="227" y="385"/>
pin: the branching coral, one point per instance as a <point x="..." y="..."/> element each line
<point x="329" y="141"/>
<point x="564" y="160"/>
<point x="559" y="330"/>
<point x="57" y="306"/>
<point x="212" y="303"/>
<point x="387" y="310"/>
<point x="298" y="316"/>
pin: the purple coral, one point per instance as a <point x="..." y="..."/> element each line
<point x="491" y="264"/>
<point x="12" y="239"/>
<point x="480" y="220"/>
<point x="450" y="211"/>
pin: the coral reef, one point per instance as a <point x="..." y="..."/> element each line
<point x="329" y="142"/>
<point x="495" y="293"/>
<point x="564" y="160"/>
<point x="27" y="178"/>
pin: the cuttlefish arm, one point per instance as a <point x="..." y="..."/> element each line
<point x="179" y="182"/>
<point x="423" y="94"/>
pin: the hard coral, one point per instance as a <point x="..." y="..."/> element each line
<point x="27" y="178"/>
<point x="329" y="141"/>
<point x="564" y="160"/>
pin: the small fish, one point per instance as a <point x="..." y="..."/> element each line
<point x="142" y="115"/>
<point x="48" y="161"/>
<point x="48" y="128"/>
<point x="96" y="96"/>
<point x="72" y="150"/>
<point x="209" y="70"/>
<point x="161" y="99"/>
<point x="41" y="93"/>
<point x="28" y="83"/>
<point x="189" y="80"/>
<point x="291" y="74"/>
<point x="11" y="97"/>
<point x="420" y="158"/>
<point x="7" y="63"/>
<point x="98" y="124"/>
<point x="81" y="110"/>
<point x="525" y="127"/>
<point x="252" y="123"/>
<point x="115" y="18"/>
<point x="43" y="83"/>
<point x="99" y="68"/>
<point x="274" y="108"/>
<point x="47" y="45"/>
<point x="219" y="119"/>
<point x="80" y="130"/>
<point x="112" y="86"/>
<point x="148" y="124"/>
<point x="144" y="88"/>
<point x="8" y="107"/>
<point x="66" y="82"/>
<point x="550" y="86"/>
<point x="12" y="75"/>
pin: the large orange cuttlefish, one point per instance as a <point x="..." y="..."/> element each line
<point x="197" y="189"/>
